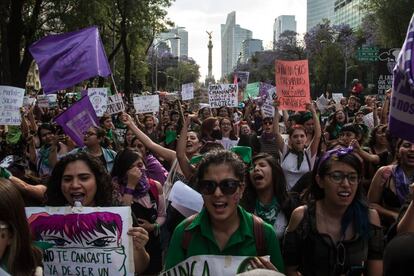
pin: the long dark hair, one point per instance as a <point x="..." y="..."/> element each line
<point x="123" y="162"/>
<point x="103" y="196"/>
<point x="23" y="257"/>
<point x="357" y="211"/>
<point x="279" y="187"/>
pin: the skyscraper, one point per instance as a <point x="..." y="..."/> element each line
<point x="283" y="23"/>
<point x="249" y="47"/>
<point x="179" y="47"/>
<point x="317" y="10"/>
<point x="348" y="12"/>
<point x="232" y="36"/>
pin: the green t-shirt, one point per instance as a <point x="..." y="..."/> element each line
<point x="241" y="243"/>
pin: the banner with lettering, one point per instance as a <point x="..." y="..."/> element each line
<point x="222" y="94"/>
<point x="115" y="104"/>
<point x="147" y="104"/>
<point x="77" y="119"/>
<point x="292" y="82"/>
<point x="187" y="91"/>
<point x="83" y="240"/>
<point x="47" y="101"/>
<point x="99" y="99"/>
<point x="268" y="104"/>
<point x="11" y="99"/>
<point x="402" y="97"/>
<point x="212" y="265"/>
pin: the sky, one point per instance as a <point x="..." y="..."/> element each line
<point x="199" y="16"/>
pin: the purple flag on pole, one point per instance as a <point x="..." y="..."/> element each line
<point x="77" y="119"/>
<point x="402" y="97"/>
<point x="69" y="58"/>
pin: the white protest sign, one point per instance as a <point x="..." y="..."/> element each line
<point x="337" y="97"/>
<point x="222" y="95"/>
<point x="11" y="99"/>
<point x="27" y="101"/>
<point x="42" y="101"/>
<point x="369" y="120"/>
<point x="115" y="104"/>
<point x="52" y="100"/>
<point x="182" y="195"/>
<point x="147" y="104"/>
<point x="84" y="240"/>
<point x="212" y="265"/>
<point x="267" y="107"/>
<point x="322" y="103"/>
<point x="187" y="91"/>
<point x="6" y="162"/>
<point x="98" y="98"/>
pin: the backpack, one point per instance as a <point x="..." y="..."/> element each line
<point x="258" y="229"/>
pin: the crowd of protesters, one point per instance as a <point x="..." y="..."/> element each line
<point x="331" y="194"/>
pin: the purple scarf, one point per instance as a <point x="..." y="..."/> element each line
<point x="141" y="189"/>
<point x="402" y="182"/>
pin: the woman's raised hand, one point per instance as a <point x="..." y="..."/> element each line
<point x="134" y="175"/>
<point x="126" y="119"/>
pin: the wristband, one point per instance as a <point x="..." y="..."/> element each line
<point x="129" y="191"/>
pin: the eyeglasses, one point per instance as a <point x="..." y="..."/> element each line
<point x="339" y="177"/>
<point x="89" y="133"/>
<point x="227" y="186"/>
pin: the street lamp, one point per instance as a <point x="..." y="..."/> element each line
<point x="155" y="47"/>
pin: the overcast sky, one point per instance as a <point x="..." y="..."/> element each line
<point x="199" y="16"/>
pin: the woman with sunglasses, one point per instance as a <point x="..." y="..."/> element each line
<point x="295" y="159"/>
<point x="222" y="227"/>
<point x="335" y="233"/>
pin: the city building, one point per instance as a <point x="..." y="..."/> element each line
<point x="348" y="12"/>
<point x="249" y="47"/>
<point x="177" y="47"/>
<point x="232" y="36"/>
<point x="283" y="23"/>
<point x="317" y="10"/>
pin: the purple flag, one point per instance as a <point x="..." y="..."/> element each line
<point x="77" y="119"/>
<point x="67" y="59"/>
<point x="402" y="97"/>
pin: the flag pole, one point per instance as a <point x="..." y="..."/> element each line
<point x="113" y="81"/>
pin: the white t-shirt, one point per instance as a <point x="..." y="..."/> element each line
<point x="227" y="143"/>
<point x="289" y="165"/>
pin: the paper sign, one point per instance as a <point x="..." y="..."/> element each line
<point x="147" y="104"/>
<point x="187" y="91"/>
<point x="268" y="106"/>
<point x="292" y="82"/>
<point x="183" y="195"/>
<point x="28" y="101"/>
<point x="252" y="90"/>
<point x="84" y="240"/>
<point x="11" y="99"/>
<point x="222" y="95"/>
<point x="212" y="265"/>
<point x="115" y="104"/>
<point x="369" y="120"/>
<point x="77" y="119"/>
<point x="337" y="97"/>
<point x="99" y="99"/>
<point x="322" y="103"/>
<point x="6" y="162"/>
<point x="47" y="101"/>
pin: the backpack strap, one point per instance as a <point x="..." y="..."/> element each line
<point x="185" y="242"/>
<point x="259" y="236"/>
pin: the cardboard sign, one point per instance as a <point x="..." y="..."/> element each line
<point x="83" y="240"/>
<point x="212" y="265"/>
<point x="99" y="99"/>
<point x="187" y="91"/>
<point x="252" y="90"/>
<point x="267" y="107"/>
<point x="222" y="95"/>
<point x="11" y="99"/>
<point x="115" y="104"/>
<point x="147" y="104"/>
<point x="292" y="82"/>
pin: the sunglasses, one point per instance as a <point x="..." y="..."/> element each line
<point x="227" y="186"/>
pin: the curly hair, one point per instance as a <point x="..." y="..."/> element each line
<point x="103" y="196"/>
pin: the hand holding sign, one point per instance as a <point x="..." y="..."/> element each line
<point x="139" y="237"/>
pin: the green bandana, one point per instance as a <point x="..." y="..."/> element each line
<point x="170" y="136"/>
<point x="5" y="173"/>
<point x="268" y="212"/>
<point x="13" y="135"/>
<point x="245" y="153"/>
<point x="196" y="159"/>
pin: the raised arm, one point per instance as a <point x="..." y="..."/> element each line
<point x="186" y="168"/>
<point x="317" y="130"/>
<point x="165" y="153"/>
<point x="276" y="130"/>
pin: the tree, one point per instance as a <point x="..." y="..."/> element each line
<point x="288" y="46"/>
<point x="392" y="19"/>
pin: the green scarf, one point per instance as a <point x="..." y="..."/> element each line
<point x="13" y="135"/>
<point x="268" y="212"/>
<point x="44" y="153"/>
<point x="170" y="136"/>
